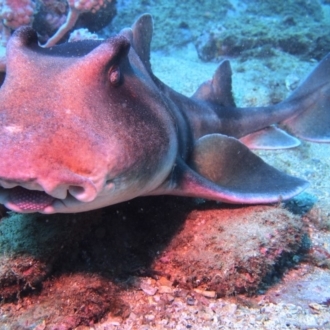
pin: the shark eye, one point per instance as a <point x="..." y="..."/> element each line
<point x="114" y="75"/>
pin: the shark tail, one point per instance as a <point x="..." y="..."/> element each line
<point x="305" y="113"/>
<point x="311" y="120"/>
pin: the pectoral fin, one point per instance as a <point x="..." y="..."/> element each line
<point x="223" y="169"/>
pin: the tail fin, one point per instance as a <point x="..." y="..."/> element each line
<point x="312" y="121"/>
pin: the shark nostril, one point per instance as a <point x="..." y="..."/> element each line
<point x="76" y="191"/>
<point x="84" y="194"/>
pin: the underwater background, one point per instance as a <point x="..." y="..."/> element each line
<point x="171" y="262"/>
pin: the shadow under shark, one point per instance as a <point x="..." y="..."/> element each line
<point x="86" y="124"/>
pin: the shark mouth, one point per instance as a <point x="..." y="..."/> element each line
<point x="29" y="200"/>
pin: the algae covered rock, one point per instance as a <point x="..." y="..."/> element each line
<point x="266" y="27"/>
<point x="295" y="8"/>
<point x="233" y="250"/>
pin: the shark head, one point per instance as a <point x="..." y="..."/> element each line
<point x="82" y="126"/>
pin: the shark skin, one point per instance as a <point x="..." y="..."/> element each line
<point x="86" y="124"/>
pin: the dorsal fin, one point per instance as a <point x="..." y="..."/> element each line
<point x="218" y="90"/>
<point x="142" y="34"/>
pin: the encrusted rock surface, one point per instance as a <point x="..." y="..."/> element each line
<point x="260" y="28"/>
<point x="232" y="250"/>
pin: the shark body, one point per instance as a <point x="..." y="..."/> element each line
<point x="86" y="124"/>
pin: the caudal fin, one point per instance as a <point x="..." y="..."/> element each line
<point x="312" y="97"/>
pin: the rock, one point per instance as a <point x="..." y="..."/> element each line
<point x="231" y="251"/>
<point x="147" y="287"/>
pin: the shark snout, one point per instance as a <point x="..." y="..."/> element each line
<point x="38" y="195"/>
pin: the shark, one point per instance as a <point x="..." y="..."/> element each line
<point x="87" y="124"/>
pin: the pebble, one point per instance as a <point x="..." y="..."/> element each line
<point x="149" y="317"/>
<point x="165" y="289"/>
<point x="315" y="306"/>
<point x="229" y="309"/>
<point x="208" y="294"/>
<point x="148" y="288"/>
<point x="291" y="82"/>
<point x="190" y="301"/>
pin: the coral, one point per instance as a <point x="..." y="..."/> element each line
<point x="82" y="34"/>
<point x="52" y="19"/>
<point x="50" y="16"/>
<point x="76" y="8"/>
<point x="17" y="13"/>
<point x="13" y="14"/>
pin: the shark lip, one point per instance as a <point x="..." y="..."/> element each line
<point x="24" y="200"/>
